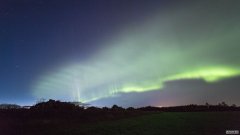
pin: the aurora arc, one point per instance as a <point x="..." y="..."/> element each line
<point x="184" y="43"/>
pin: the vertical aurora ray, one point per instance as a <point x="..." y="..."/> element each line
<point x="78" y="90"/>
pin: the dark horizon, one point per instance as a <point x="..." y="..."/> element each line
<point x="80" y="104"/>
<point x="55" y="117"/>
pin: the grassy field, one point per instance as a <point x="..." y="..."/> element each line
<point x="162" y="123"/>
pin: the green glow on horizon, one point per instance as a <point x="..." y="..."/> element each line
<point x="208" y="74"/>
<point x="150" y="87"/>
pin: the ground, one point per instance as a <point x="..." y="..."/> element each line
<point x="158" y="123"/>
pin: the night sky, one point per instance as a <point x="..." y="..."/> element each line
<point x="125" y="52"/>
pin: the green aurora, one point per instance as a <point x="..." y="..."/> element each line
<point x="176" y="43"/>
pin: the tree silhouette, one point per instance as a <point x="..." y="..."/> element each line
<point x="224" y="104"/>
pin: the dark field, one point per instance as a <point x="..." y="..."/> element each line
<point x="153" y="123"/>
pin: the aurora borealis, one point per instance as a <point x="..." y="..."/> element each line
<point x="156" y="52"/>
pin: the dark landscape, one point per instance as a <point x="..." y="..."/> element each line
<point x="63" y="118"/>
